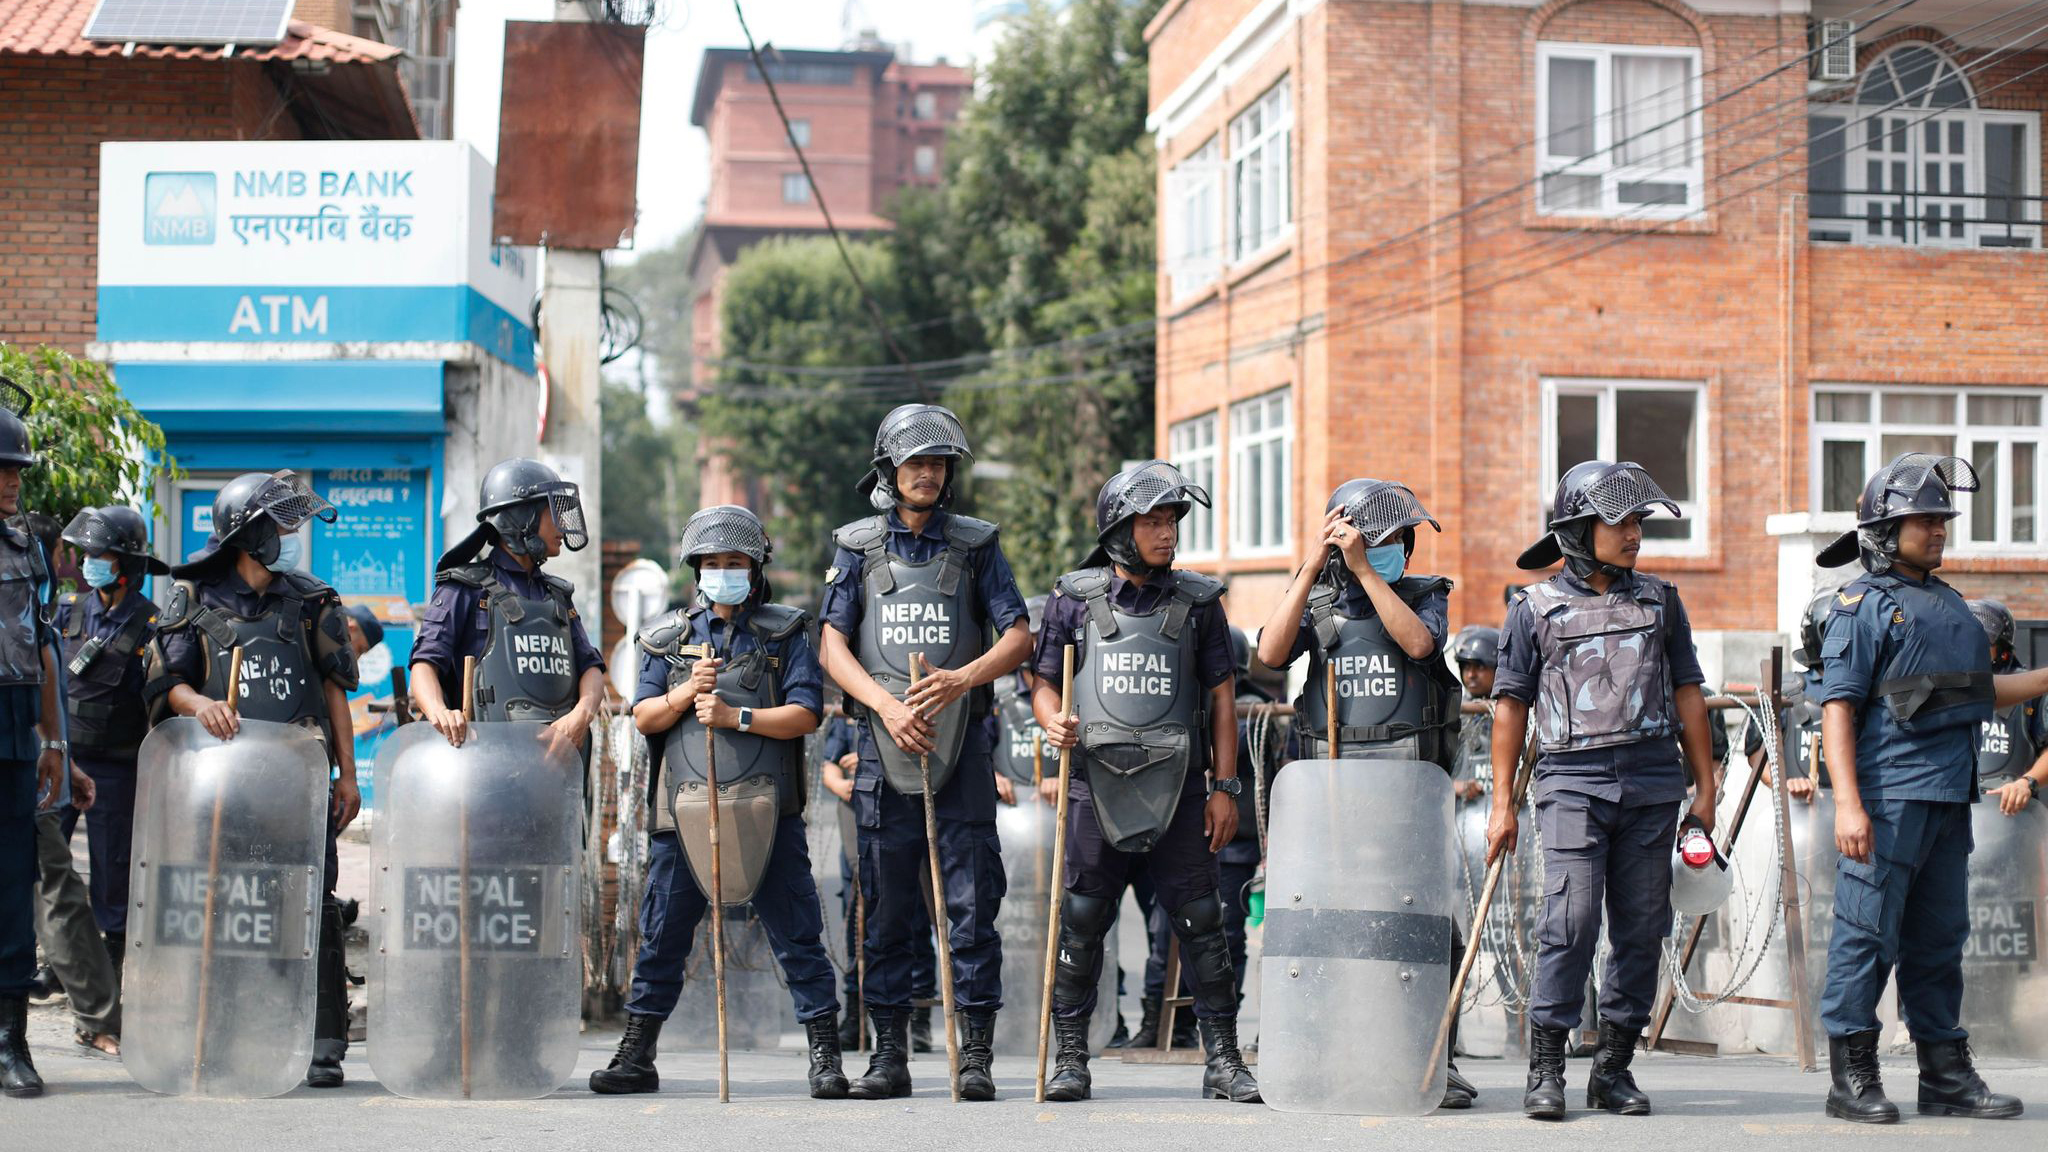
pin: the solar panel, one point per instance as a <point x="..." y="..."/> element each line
<point x="189" y="21"/>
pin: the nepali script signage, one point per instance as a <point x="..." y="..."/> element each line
<point x="298" y="241"/>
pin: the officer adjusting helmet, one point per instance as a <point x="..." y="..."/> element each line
<point x="1476" y="644"/>
<point x="15" y="449"/>
<point x="1131" y="493"/>
<point x="1613" y="492"/>
<point x="1380" y="510"/>
<point x="728" y="528"/>
<point x="254" y="512"/>
<point x="1914" y="484"/>
<point x="1998" y="625"/>
<point x="116" y="531"/>
<point x="914" y="430"/>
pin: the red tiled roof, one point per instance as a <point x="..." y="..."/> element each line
<point x="57" y="28"/>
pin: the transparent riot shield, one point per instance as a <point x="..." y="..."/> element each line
<point x="2005" y="983"/>
<point x="224" y="901"/>
<point x="478" y="963"/>
<point x="1359" y="903"/>
<point x="1026" y="830"/>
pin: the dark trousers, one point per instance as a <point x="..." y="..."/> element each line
<point x="71" y="941"/>
<point x="786" y="903"/>
<point x="109" y="836"/>
<point x="892" y="864"/>
<point x="1907" y="907"/>
<point x="1234" y="877"/>
<point x="1595" y="850"/>
<point x="924" y="953"/>
<point x="18" y="876"/>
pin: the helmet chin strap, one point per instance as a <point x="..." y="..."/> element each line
<point x="1574" y="539"/>
<point x="1122" y="547"/>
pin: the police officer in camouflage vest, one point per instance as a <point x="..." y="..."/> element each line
<point x="1600" y="657"/>
<point x="917" y="580"/>
<point x="1155" y="712"/>
<point x="1906" y="687"/>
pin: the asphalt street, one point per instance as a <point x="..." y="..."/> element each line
<point x="1702" y="1103"/>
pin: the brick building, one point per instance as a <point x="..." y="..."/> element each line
<point x="870" y="125"/>
<point x="1465" y="245"/>
<point x="65" y="95"/>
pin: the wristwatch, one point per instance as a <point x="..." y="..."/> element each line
<point x="1231" y="786"/>
<point x="746" y="719"/>
<point x="2033" y="787"/>
<point x="56" y="745"/>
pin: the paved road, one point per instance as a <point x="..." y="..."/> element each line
<point x="1721" y="1104"/>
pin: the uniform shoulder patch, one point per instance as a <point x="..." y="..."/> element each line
<point x="1847" y="601"/>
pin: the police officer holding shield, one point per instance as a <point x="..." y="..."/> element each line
<point x="534" y="660"/>
<point x="1601" y="654"/>
<point x="1155" y="710"/>
<point x="742" y="667"/>
<point x="917" y="580"/>
<point x="1907" y="685"/>
<point x="244" y="590"/>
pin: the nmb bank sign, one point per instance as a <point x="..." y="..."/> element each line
<point x="262" y="242"/>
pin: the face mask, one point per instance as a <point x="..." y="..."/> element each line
<point x="1389" y="560"/>
<point x="98" y="571"/>
<point x="725" y="585"/>
<point x="289" y="550"/>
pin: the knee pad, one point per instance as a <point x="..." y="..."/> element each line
<point x="1084" y="920"/>
<point x="1205" y="950"/>
<point x="1198" y="917"/>
<point x="1091" y="915"/>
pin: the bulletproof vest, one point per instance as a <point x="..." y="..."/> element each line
<point x="1936" y="671"/>
<point x="106" y="714"/>
<point x="279" y="679"/>
<point x="929" y="608"/>
<point x="1017" y="731"/>
<point x="528" y="667"/>
<point x="2005" y="749"/>
<point x="22" y="575"/>
<point x="1383" y="696"/>
<point x="750" y="681"/>
<point x="1605" y="680"/>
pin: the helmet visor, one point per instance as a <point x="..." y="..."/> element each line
<point x="725" y="528"/>
<point x="1381" y="510"/>
<point x="289" y="501"/>
<point x="930" y="431"/>
<point x="1920" y="483"/>
<point x="1157" y="484"/>
<point x="566" y="502"/>
<point x="90" y="534"/>
<point x="1626" y="490"/>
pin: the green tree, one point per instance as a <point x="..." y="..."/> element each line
<point x="650" y="476"/>
<point x="93" y="447"/>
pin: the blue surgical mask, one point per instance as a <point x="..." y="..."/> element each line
<point x="725" y="585"/>
<point x="98" y="571"/>
<point x="289" y="550"/>
<point x="1389" y="560"/>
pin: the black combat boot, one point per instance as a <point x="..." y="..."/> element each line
<point x="325" y="1071"/>
<point x="1459" y="1093"/>
<point x="632" y="1067"/>
<point x="1148" y="1025"/>
<point x="977" y="1056"/>
<point x="1950" y="1086"/>
<point x="1070" y="1080"/>
<point x="18" y="1075"/>
<point x="1121" y="1038"/>
<point x="1858" y="1090"/>
<point x="828" y="1079"/>
<point x="888" y="1073"/>
<point x="1545" y="1098"/>
<point x="1226" y="1077"/>
<point x="1611" y="1085"/>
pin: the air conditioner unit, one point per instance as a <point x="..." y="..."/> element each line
<point x="1835" y="51"/>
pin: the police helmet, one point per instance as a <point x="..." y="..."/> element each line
<point x="1813" y="626"/>
<point x="1613" y="492"/>
<point x="1913" y="484"/>
<point x="913" y="430"/>
<point x="510" y="501"/>
<point x="1131" y="493"/>
<point x="15" y="449"/>
<point x="728" y="528"/>
<point x="1380" y="509"/>
<point x="1997" y="622"/>
<point x="115" y="530"/>
<point x="1477" y="644"/>
<point x="1240" y="651"/>
<point x="253" y="511"/>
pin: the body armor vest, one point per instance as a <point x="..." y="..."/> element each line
<point x="1141" y="704"/>
<point x="1386" y="702"/>
<point x="105" y="715"/>
<point x="1605" y="680"/>
<point x="2005" y="749"/>
<point x="22" y="575"/>
<point x="1019" y="753"/>
<point x="1937" y="668"/>
<point x="528" y="667"/>
<point x="279" y="679"/>
<point x="930" y="608"/>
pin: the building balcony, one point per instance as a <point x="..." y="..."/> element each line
<point x="1929" y="220"/>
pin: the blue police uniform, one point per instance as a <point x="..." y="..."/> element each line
<point x="892" y="843"/>
<point x="108" y="721"/>
<point x="786" y="902"/>
<point x="456" y="625"/>
<point x="1911" y="659"/>
<point x="1606" y="810"/>
<point x="843" y="736"/>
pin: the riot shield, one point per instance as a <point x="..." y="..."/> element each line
<point x="478" y="964"/>
<point x="748" y="811"/>
<point x="1026" y="829"/>
<point x="224" y="901"/>
<point x="1359" y="900"/>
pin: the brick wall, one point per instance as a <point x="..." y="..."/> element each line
<point x="54" y="113"/>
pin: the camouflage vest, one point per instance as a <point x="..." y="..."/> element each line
<point x="1604" y="679"/>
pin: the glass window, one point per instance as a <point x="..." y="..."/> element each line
<point x="1261" y="175"/>
<point x="1621" y="131"/>
<point x="1261" y="473"/>
<point x="925" y="106"/>
<point x="1191" y="447"/>
<point x="1657" y="424"/>
<point x="925" y="160"/>
<point x="800" y="133"/>
<point x="795" y="188"/>
<point x="1194" y="220"/>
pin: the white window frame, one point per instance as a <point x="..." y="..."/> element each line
<point x="1195" y="447"/>
<point x="1602" y="161"/>
<point x="801" y="183"/>
<point x="924" y="106"/>
<point x="924" y="159"/>
<point x="1276" y="499"/>
<point x="1194" y="221"/>
<point x="800" y="133"/>
<point x="1965" y="435"/>
<point x="1694" y="512"/>
<point x="1254" y="153"/>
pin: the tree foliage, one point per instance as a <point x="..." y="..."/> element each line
<point x="650" y="478"/>
<point x="93" y="447"/>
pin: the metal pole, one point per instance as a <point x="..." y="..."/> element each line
<point x="1059" y="873"/>
<point x="220" y="784"/>
<point x="942" y="920"/>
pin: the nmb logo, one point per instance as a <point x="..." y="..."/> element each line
<point x="178" y="208"/>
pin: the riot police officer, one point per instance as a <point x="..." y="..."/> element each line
<point x="104" y="631"/>
<point x="1155" y="710"/>
<point x="1354" y="607"/>
<point x="244" y="590"/>
<point x="918" y="580"/>
<point x="1476" y="652"/>
<point x="534" y="660"/>
<point x="1601" y="656"/>
<point x="742" y="667"/>
<point x="2009" y="741"/>
<point x="1907" y="685"/>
